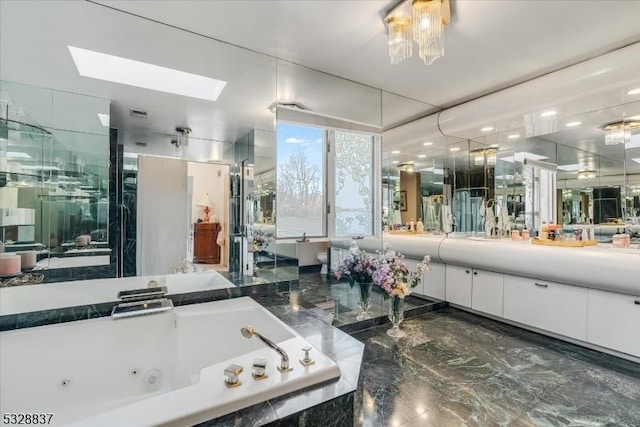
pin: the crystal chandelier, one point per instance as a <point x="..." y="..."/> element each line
<point x="421" y="21"/>
<point x="619" y="132"/>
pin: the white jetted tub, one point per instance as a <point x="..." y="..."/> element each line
<point x="161" y="369"/>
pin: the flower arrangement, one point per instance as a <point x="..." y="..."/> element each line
<point x="358" y="266"/>
<point x="392" y="274"/>
<point x="260" y="240"/>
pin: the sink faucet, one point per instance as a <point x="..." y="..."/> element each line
<point x="248" y="332"/>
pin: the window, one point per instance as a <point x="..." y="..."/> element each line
<point x="301" y="201"/>
<point x="353" y="183"/>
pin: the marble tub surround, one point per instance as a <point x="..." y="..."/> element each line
<point x="330" y="404"/>
<point x="455" y="368"/>
<point x="27" y="319"/>
<point x="121" y="398"/>
<point x="27" y="299"/>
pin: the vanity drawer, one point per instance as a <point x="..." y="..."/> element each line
<point x="546" y="305"/>
<point x="614" y="321"/>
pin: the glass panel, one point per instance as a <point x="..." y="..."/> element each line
<point x="353" y="183"/>
<point x="300" y="177"/>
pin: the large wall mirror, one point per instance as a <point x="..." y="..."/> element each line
<point x="153" y="206"/>
<point x="54" y="162"/>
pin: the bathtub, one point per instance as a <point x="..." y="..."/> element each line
<point x="49" y="296"/>
<point x="161" y="369"/>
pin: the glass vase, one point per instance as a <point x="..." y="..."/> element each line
<point x="364" y="303"/>
<point x="396" y="316"/>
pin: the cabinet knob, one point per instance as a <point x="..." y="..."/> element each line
<point x="475" y="273"/>
<point x="466" y="271"/>
<point x="637" y="302"/>
<point x="541" y="285"/>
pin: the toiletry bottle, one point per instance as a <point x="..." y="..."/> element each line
<point x="420" y="226"/>
<point x="544" y="230"/>
<point x="412" y="225"/>
<point x="525" y="234"/>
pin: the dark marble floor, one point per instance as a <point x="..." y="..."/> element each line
<point x="458" y="369"/>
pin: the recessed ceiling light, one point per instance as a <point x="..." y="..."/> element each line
<point x="548" y="113"/>
<point x="395" y="161"/>
<point x="116" y="69"/>
<point x="395" y="152"/>
<point x="104" y="119"/>
<point x="572" y="124"/>
<point x="486" y="129"/>
<point x="493" y="145"/>
<point x="514" y="136"/>
<point x="426" y="144"/>
<point x="422" y="156"/>
<point x="454" y="149"/>
<point x="635" y="91"/>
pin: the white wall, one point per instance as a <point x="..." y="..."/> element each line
<point x="213" y="179"/>
<point x="162" y="220"/>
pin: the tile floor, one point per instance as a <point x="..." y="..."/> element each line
<point x="458" y="369"/>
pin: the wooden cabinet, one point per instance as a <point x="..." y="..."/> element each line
<point x="614" y="321"/>
<point x="546" y="305"/>
<point x="486" y="295"/>
<point x="205" y="248"/>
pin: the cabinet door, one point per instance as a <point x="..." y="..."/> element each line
<point x="412" y="264"/>
<point x="487" y="292"/>
<point x="546" y="305"/>
<point x="614" y="321"/>
<point x="458" y="290"/>
<point x="434" y="281"/>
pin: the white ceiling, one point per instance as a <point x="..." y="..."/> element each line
<point x="489" y="45"/>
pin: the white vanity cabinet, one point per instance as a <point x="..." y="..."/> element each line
<point x="458" y="285"/>
<point x="435" y="281"/>
<point x="614" y="321"/>
<point x="476" y="289"/>
<point x="550" y="306"/>
<point x="486" y="293"/>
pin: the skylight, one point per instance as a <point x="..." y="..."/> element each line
<point x="104" y="119"/>
<point x="116" y="69"/>
<point x="16" y="155"/>
<point x="521" y="155"/>
<point x="571" y="168"/>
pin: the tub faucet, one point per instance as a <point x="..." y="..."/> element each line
<point x="248" y="332"/>
<point x="304" y="238"/>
